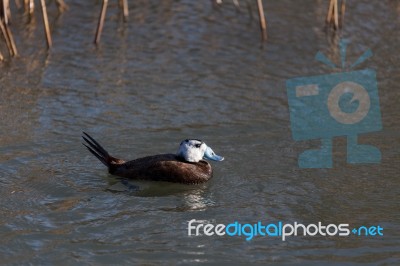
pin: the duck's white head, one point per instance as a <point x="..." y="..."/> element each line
<point x="193" y="150"/>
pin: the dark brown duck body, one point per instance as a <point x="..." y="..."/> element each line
<point x="163" y="167"/>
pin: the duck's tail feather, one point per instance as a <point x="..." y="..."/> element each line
<point x="97" y="150"/>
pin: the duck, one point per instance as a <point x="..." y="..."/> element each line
<point x="187" y="166"/>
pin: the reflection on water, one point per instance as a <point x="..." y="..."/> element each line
<point x="181" y="70"/>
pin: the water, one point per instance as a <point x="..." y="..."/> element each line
<point x="176" y="70"/>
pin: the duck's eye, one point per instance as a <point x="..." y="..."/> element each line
<point x="197" y="145"/>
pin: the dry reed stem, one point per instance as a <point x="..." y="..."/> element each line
<point x="6" y="13"/>
<point x="29" y="6"/>
<point x="342" y="12"/>
<point x="333" y="17"/>
<point x="263" y="23"/>
<point x="61" y="5"/>
<point x="100" y="24"/>
<point x="4" y="32"/>
<point x="125" y="9"/>
<point x="330" y="12"/>
<point x="46" y="24"/>
<point x="336" y="15"/>
<point x="9" y="38"/>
